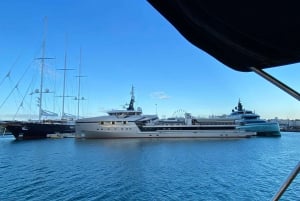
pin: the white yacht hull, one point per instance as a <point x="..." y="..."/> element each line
<point x="92" y="131"/>
<point x="166" y="134"/>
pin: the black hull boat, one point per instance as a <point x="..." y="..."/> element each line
<point x="38" y="130"/>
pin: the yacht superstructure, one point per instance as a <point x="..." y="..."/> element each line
<point x="251" y="121"/>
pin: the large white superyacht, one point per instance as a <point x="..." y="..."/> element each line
<point x="131" y="123"/>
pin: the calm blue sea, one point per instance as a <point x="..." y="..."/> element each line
<point x="148" y="169"/>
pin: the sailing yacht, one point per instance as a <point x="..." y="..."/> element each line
<point x="39" y="129"/>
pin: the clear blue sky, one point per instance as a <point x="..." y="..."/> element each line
<point x="124" y="43"/>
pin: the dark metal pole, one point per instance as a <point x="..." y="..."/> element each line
<point x="276" y="82"/>
<point x="286" y="184"/>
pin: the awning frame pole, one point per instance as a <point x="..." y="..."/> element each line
<point x="296" y="95"/>
<point x="287" y="182"/>
<point x="276" y="82"/>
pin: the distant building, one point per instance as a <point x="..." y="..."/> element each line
<point x="288" y="124"/>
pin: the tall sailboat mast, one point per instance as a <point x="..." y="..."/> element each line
<point x="79" y="85"/>
<point x="64" y="86"/>
<point x="42" y="71"/>
<point x="43" y="58"/>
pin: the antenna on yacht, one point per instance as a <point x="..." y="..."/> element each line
<point x="131" y="107"/>
<point x="240" y="106"/>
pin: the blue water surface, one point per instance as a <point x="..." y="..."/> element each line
<point x="148" y="169"/>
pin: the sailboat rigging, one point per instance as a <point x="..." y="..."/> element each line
<point x="42" y="128"/>
<point x="63" y="114"/>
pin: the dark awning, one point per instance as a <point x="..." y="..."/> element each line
<point x="240" y="34"/>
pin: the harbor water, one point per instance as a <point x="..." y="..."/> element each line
<point x="148" y="169"/>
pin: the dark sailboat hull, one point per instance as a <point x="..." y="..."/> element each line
<point x="37" y="130"/>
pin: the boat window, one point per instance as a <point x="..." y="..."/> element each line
<point x="124" y="122"/>
<point x="101" y="122"/>
<point x="112" y="122"/>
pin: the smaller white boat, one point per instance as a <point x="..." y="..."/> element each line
<point x="249" y="121"/>
<point x="131" y="123"/>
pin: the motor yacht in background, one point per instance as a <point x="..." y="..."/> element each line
<point x="250" y="121"/>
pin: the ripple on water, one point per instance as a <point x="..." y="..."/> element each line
<point x="250" y="169"/>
